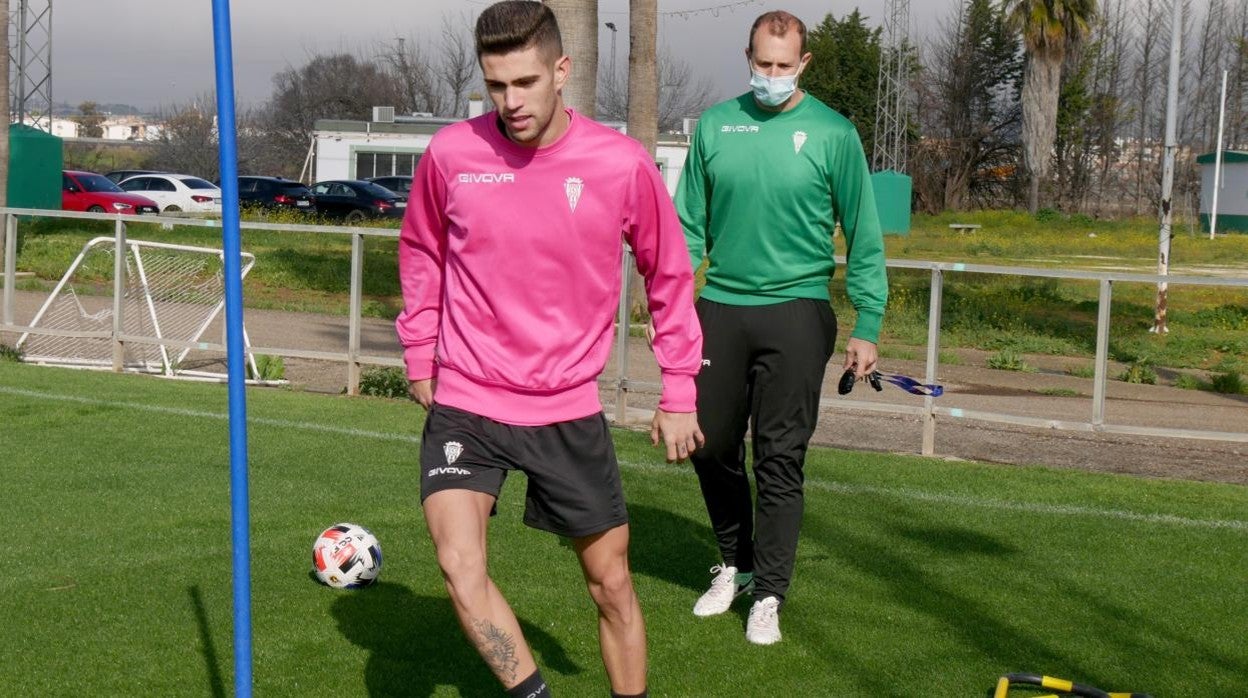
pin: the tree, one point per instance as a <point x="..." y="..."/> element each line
<point x="968" y="111"/>
<point x="681" y="94"/>
<point x="1048" y="28"/>
<point x="643" y="72"/>
<point x="458" y="67"/>
<point x="844" y="70"/>
<point x="1237" y="91"/>
<point x="437" y="84"/>
<point x="188" y="139"/>
<point x="578" y="23"/>
<point x="90" y="121"/>
<point x="335" y="86"/>
<point x="643" y="102"/>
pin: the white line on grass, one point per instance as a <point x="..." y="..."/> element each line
<point x="857" y="490"/>
<point x="183" y="412"/>
<point x="844" y="488"/>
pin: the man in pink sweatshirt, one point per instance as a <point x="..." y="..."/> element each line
<point x="509" y="260"/>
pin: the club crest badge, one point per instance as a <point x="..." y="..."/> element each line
<point x="452" y="451"/>
<point x="799" y="140"/>
<point x="572" y="187"/>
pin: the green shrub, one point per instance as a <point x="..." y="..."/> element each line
<point x="1082" y="370"/>
<point x="8" y="353"/>
<point x="1059" y="392"/>
<point x="389" y="381"/>
<point x="1140" y="373"/>
<point x="1230" y="383"/>
<point x="1048" y="215"/>
<point x="1008" y="360"/>
<point x="268" y="368"/>
<point x="1190" y="382"/>
<point x="890" y="352"/>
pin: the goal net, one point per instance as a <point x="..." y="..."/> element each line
<point x="171" y="299"/>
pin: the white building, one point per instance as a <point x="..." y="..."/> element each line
<point x="391" y="145"/>
<point x="64" y="128"/>
<point x="129" y="128"/>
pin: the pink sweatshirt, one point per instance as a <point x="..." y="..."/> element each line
<point x="509" y="260"/>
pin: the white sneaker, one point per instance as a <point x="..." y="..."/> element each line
<point x="724" y="589"/>
<point x="763" y="626"/>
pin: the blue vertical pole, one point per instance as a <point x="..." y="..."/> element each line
<point x="239" y="516"/>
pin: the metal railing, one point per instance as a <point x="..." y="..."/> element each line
<point x="353" y="356"/>
<point x="929" y="410"/>
<point x="355" y="359"/>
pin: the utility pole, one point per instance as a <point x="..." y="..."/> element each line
<point x="1167" y="169"/>
<point x="611" y="64"/>
<point x="1217" y="160"/>
<point x="892" y="105"/>
<point x="30" y="53"/>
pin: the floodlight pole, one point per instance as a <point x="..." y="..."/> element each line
<point x="232" y="262"/>
<point x="1217" y="161"/>
<point x="1167" y="171"/>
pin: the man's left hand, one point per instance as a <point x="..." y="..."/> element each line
<point x="861" y="356"/>
<point x="679" y="431"/>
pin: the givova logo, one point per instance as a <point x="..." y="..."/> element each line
<point x="449" y="470"/>
<point x="487" y="177"/>
<point x="740" y="128"/>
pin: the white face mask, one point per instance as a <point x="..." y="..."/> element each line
<point x="775" y="91"/>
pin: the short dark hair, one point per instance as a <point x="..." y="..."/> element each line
<point x="778" y="23"/>
<point x="514" y="25"/>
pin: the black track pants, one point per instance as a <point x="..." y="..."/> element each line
<point x="762" y="367"/>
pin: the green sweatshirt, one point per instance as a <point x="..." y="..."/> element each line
<point x="760" y="195"/>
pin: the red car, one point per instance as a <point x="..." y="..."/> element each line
<point x="87" y="191"/>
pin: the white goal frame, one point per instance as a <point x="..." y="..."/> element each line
<point x="158" y="312"/>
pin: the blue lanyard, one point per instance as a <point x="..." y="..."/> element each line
<point x="906" y="383"/>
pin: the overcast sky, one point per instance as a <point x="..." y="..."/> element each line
<point x="156" y="52"/>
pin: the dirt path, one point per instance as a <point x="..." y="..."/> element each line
<point x="1049" y="394"/>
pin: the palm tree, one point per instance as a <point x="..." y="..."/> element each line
<point x="643" y="72"/>
<point x="1048" y="28"/>
<point x="578" y="23"/>
<point x="643" y="102"/>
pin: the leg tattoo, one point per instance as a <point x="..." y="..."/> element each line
<point x="497" y="648"/>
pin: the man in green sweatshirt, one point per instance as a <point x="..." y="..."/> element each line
<point x="768" y="176"/>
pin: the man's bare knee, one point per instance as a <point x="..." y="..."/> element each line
<point x="612" y="591"/>
<point x="463" y="569"/>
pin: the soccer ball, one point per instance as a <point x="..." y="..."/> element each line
<point x="346" y="556"/>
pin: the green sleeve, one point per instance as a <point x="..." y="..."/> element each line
<point x="692" y="196"/>
<point x="853" y="199"/>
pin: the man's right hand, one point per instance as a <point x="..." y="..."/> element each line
<point x="422" y="391"/>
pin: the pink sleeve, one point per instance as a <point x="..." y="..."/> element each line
<point x="422" y="253"/>
<point x="653" y="230"/>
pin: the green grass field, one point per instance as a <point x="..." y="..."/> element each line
<point x="914" y="576"/>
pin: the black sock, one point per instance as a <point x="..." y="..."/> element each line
<point x="532" y="687"/>
<point x="643" y="694"/>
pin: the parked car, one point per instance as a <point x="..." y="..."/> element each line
<point x="118" y="175"/>
<point x="274" y="193"/>
<point x="355" y="200"/>
<point x="173" y="192"/>
<point x="395" y="183"/>
<point x="88" y="191"/>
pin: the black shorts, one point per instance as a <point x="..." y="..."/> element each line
<point x="574" y="480"/>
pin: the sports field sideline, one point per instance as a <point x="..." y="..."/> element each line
<point x="914" y="577"/>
